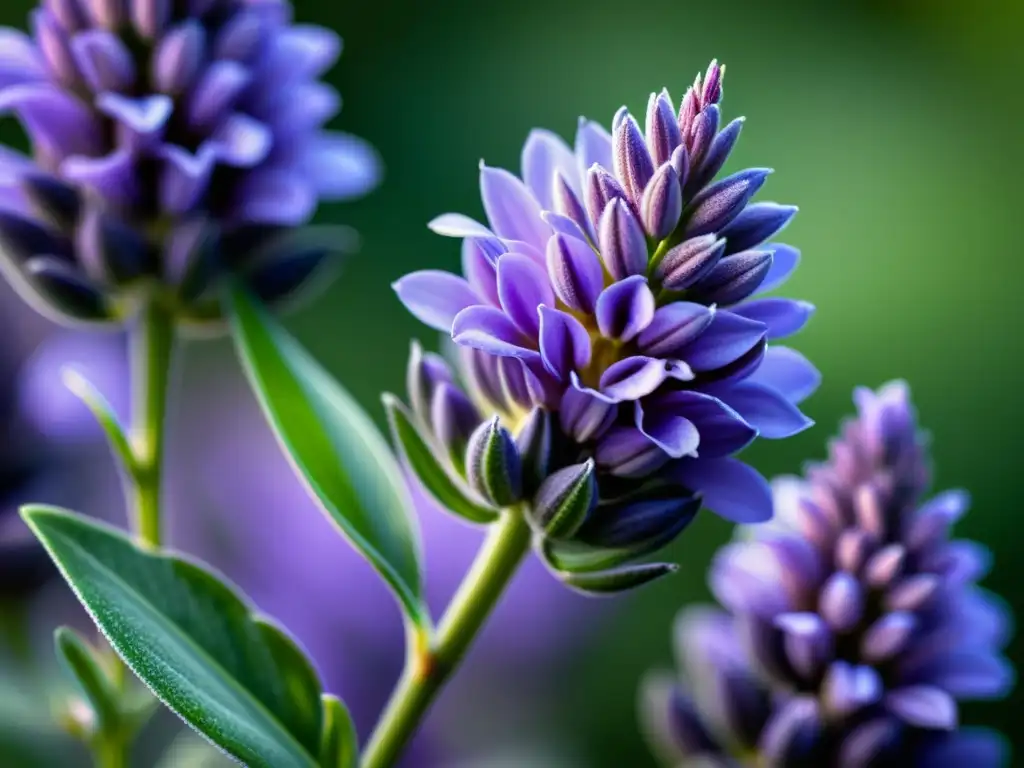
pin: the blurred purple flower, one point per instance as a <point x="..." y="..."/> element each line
<point x="854" y="623"/>
<point x="172" y="142"/>
<point x="611" y="287"/>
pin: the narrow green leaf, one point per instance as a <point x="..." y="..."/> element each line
<point x="576" y="557"/>
<point x="235" y="678"/>
<point x="339" y="746"/>
<point x="80" y="659"/>
<point x="334" y="447"/>
<point x="423" y="461"/>
<point x="84" y="390"/>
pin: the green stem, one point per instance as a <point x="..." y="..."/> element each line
<point x="430" y="664"/>
<point x="152" y="345"/>
<point x="110" y="752"/>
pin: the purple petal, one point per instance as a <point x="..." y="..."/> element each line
<point x="435" y="297"/>
<point x="756" y="224"/>
<point x="689" y="262"/>
<point x="564" y="343"/>
<point x="458" y="225"/>
<point x="593" y="145"/>
<point x="144" y="118"/>
<point x="105" y="13"/>
<point x="628" y="452"/>
<point x="57" y="121"/>
<point x="748" y="581"/>
<point x="584" y="417"/>
<point x="19" y="59"/>
<point x="912" y="593"/>
<point x="575" y="273"/>
<point x="705" y="127"/>
<point x="734" y="277"/>
<point x="179" y="58"/>
<point x="662" y="203"/>
<point x="969" y="674"/>
<point x="216" y="93"/>
<point x="784" y="317"/>
<point x="312" y="105"/>
<point x="601" y="189"/>
<point x="726" y="339"/>
<point x="731" y="489"/>
<point x="625" y="308"/>
<point x="722" y="430"/>
<point x="570" y="209"/>
<point x="808" y="641"/>
<point x="867" y="743"/>
<point x="932" y="522"/>
<point x="544" y="156"/>
<point x="723" y="201"/>
<point x="480" y="268"/>
<point x="242" y="142"/>
<point x="513" y="212"/>
<point x="490" y="330"/>
<point x="104" y="62"/>
<point x="841" y="601"/>
<point x="633" y="164"/>
<point x="150" y="16"/>
<point x="674" y="434"/>
<point x="633" y="378"/>
<point x="307" y="50"/>
<point x="185" y="176"/>
<point x="785" y="260"/>
<point x="847" y="688"/>
<point x="563" y="225"/>
<point x="888" y="636"/>
<point x="975" y="747"/>
<point x="718" y="153"/>
<point x="341" y="166"/>
<point x="771" y="413"/>
<point x="923" y="706"/>
<point x="274" y="196"/>
<point x="673" y="327"/>
<point x="885" y="566"/>
<point x="55" y="47"/>
<point x="112" y="176"/>
<point x="622" y="241"/>
<point x="787" y="372"/>
<point x="523" y="288"/>
<point x="790" y="736"/>
<point x="662" y="128"/>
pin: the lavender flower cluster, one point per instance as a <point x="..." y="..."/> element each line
<point x="609" y="303"/>
<point x="854" y="623"/>
<point x="173" y="142"/>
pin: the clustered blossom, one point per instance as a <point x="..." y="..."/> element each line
<point x="854" y="623"/>
<point x="612" y="289"/>
<point x="172" y="141"/>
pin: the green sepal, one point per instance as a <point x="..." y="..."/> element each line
<point x="618" y="580"/>
<point x="564" y="500"/>
<point x="339" y="746"/>
<point x="86" y="667"/>
<point x="422" y="459"/>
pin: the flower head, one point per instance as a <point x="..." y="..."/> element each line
<point x="609" y="294"/>
<point x="172" y="141"/>
<point x="854" y="623"/>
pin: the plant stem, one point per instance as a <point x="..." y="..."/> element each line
<point x="429" y="664"/>
<point x="152" y="345"/>
<point x="110" y="753"/>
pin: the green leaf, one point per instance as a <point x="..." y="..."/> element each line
<point x="334" y="447"/>
<point x="81" y="661"/>
<point x="423" y="461"/>
<point x="235" y="678"/>
<point x="340" y="746"/>
<point x="84" y="390"/>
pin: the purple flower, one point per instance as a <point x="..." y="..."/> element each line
<point x="611" y="291"/>
<point x="854" y="622"/>
<point x="172" y="142"/>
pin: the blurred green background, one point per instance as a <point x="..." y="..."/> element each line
<point x="893" y="124"/>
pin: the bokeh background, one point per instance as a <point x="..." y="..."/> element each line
<point x="895" y="125"/>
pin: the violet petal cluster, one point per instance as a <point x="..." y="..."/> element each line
<point x="854" y="623"/>
<point x="615" y="288"/>
<point x="173" y="141"/>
